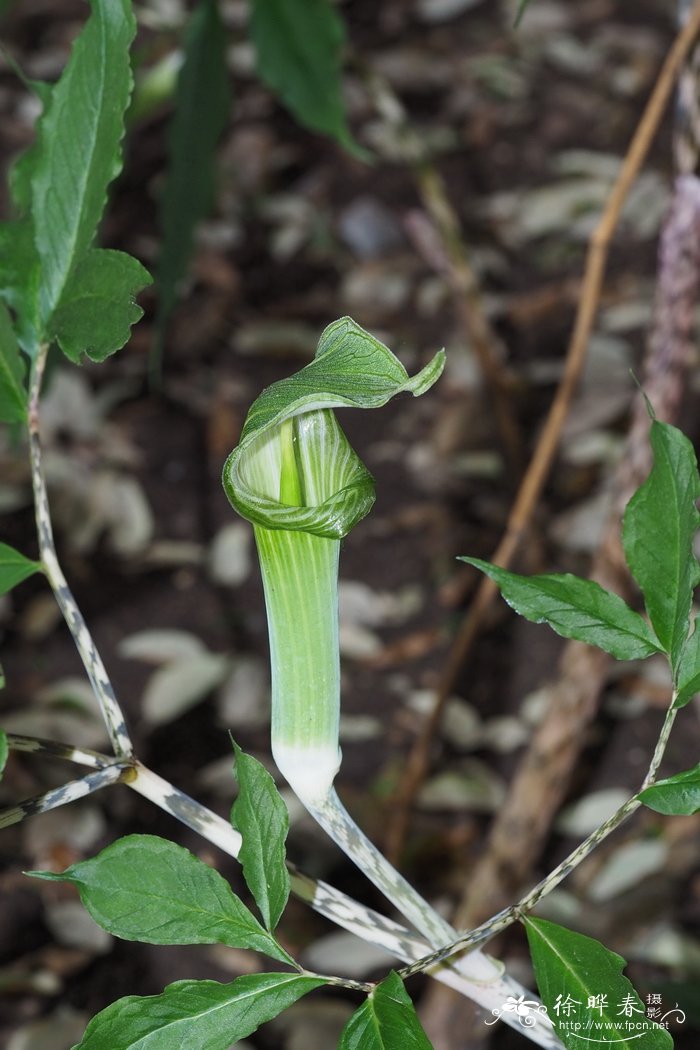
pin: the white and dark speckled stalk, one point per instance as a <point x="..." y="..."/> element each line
<point x="92" y="661"/>
<point x="334" y="905"/>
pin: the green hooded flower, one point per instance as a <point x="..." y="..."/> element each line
<point x="295" y="476"/>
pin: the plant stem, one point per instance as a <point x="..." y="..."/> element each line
<point x="334" y="905"/>
<point x="99" y="679"/>
<point x="661" y="744"/>
<point x="340" y="982"/>
<point x="69" y="792"/>
<point x="489" y="986"/>
<point x="83" y="756"/>
<point x="488" y="929"/>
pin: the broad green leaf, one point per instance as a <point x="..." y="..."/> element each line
<point x="581" y="983"/>
<point x="298" y="45"/>
<point x="202" y="103"/>
<point x="80" y="136"/>
<point x="195" y="1015"/>
<point x="689" y="669"/>
<point x="14" y="568"/>
<point x="658" y="528"/>
<point x="262" y="819"/>
<point x="679" y="795"/>
<point x="144" y="888"/>
<point x="4" y="751"/>
<point x="386" y="1021"/>
<point x="97" y="308"/>
<point x="350" y="369"/>
<point x="576" y="608"/>
<point x="13" y="396"/>
<point x="19" y="279"/>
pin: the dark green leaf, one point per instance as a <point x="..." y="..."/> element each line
<point x="262" y="819"/>
<point x="14" y="568"/>
<point x="658" y="528"/>
<point x="195" y="1015"/>
<point x="13" y="396"/>
<point x="202" y="103"/>
<point x="97" y="308"/>
<point x="80" y="136"/>
<point x="19" y="279"/>
<point x="4" y="750"/>
<point x="679" y="795"/>
<point x="520" y="12"/>
<point x="144" y="888"/>
<point x="298" y="45"/>
<point x="386" y="1021"/>
<point x="689" y="669"/>
<point x="581" y="983"/>
<point x="576" y="608"/>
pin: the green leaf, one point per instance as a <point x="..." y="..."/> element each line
<point x="19" y="279"/>
<point x="97" y="308"/>
<point x="196" y="1015"/>
<point x="80" y="136"/>
<point x="144" y="888"/>
<point x="14" y="568"/>
<point x="350" y="369"/>
<point x="298" y="45"/>
<point x="4" y="751"/>
<point x="689" y="669"/>
<point x="520" y="12"/>
<point x="679" y="795"/>
<point x="202" y="103"/>
<point x="262" y="819"/>
<point x="581" y="982"/>
<point x="13" y="396"/>
<point x="658" y="528"/>
<point x="386" y="1021"/>
<point x="575" y="608"/>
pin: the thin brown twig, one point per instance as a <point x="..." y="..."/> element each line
<point x="471" y="314"/>
<point x="531" y="487"/>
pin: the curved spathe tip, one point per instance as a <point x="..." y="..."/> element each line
<point x="350" y="369"/>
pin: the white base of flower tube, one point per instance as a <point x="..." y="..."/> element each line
<point x="309" y="771"/>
